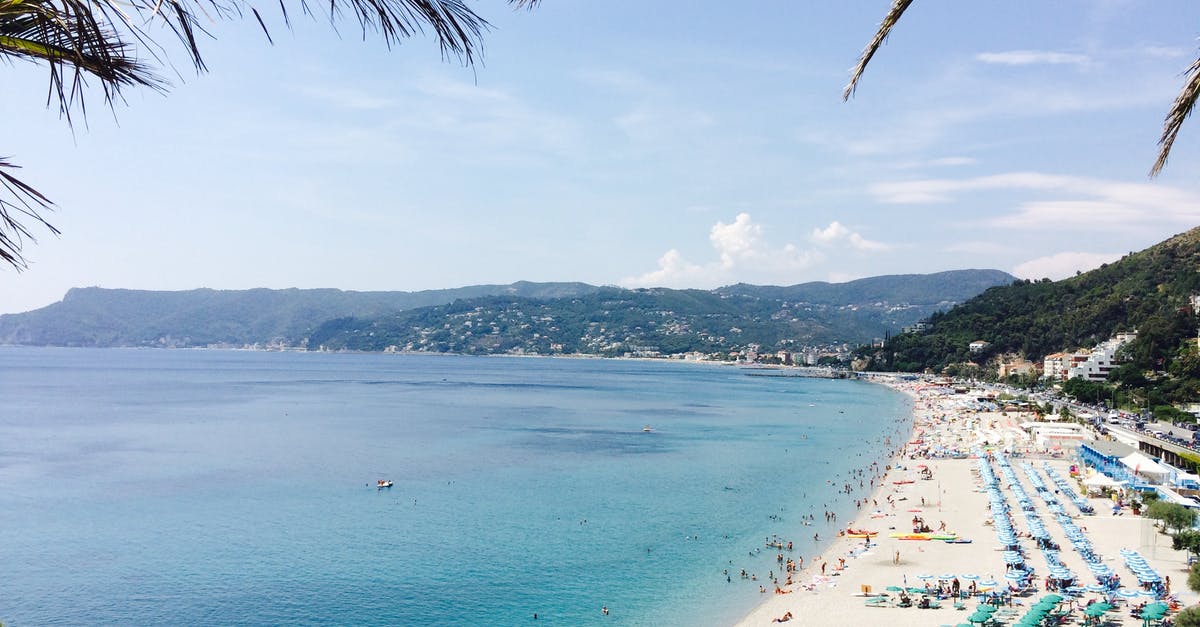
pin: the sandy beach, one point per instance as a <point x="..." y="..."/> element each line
<point x="954" y="495"/>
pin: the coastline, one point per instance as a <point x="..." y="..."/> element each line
<point x="953" y="497"/>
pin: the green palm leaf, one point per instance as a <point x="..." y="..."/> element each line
<point x="77" y="39"/>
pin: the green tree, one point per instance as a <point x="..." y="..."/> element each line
<point x="1173" y="515"/>
<point x="1189" y="617"/>
<point x="1187" y="540"/>
<point x="110" y="41"/>
<point x="1180" y="109"/>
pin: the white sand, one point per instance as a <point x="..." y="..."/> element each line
<point x="963" y="506"/>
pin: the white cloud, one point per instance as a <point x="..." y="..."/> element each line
<point x="1069" y="200"/>
<point x="837" y="232"/>
<point x="673" y="271"/>
<point x="1163" y="52"/>
<point x="743" y="254"/>
<point x="1033" y="57"/>
<point x="1062" y="265"/>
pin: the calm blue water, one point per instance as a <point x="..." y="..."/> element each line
<point x="143" y="487"/>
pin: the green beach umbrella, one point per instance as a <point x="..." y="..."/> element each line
<point x="979" y="617"/>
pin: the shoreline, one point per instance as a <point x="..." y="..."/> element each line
<point x="952" y="497"/>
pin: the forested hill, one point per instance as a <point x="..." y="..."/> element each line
<point x="1148" y="291"/>
<point x="615" y="321"/>
<point x="856" y="311"/>
<point x="114" y="317"/>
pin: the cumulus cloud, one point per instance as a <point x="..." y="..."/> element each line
<point x="1062" y="265"/>
<point x="743" y="254"/>
<point x="836" y="233"/>
<point x="1067" y="201"/>
<point x="1033" y="57"/>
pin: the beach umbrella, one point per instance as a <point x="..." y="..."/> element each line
<point x="1148" y="593"/>
<point x="1014" y="576"/>
<point x="1094" y="587"/>
<point x="1096" y="609"/>
<point x="979" y="617"/>
<point x="969" y="577"/>
<point x="924" y="577"/>
<point x="1125" y="593"/>
<point x="1052" y="597"/>
<point x="988" y="583"/>
<point x="947" y="576"/>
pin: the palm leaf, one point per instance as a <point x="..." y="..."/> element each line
<point x="24" y="203"/>
<point x="885" y="28"/>
<point x="102" y="39"/>
<point x="1180" y="110"/>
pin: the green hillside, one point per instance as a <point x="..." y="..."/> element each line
<point x="586" y="318"/>
<point x="616" y="321"/>
<point x="113" y="317"/>
<point x="1148" y="291"/>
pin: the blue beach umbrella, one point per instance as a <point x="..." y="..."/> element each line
<point x="1126" y="593"/>
<point x="947" y="576"/>
<point x="924" y="577"/>
<point x="1094" y="587"/>
<point x="988" y="583"/>
<point x="969" y="577"/>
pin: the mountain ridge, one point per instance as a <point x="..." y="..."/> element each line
<point x="94" y="316"/>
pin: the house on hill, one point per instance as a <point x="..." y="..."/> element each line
<point x="1016" y="366"/>
<point x="978" y="346"/>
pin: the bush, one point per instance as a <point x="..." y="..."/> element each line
<point x="1189" y="617"/>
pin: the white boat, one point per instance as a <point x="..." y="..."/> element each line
<point x="383" y="483"/>
<point x="646" y="429"/>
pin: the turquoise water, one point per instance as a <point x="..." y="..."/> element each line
<point x="144" y="487"/>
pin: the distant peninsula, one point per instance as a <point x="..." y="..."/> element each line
<point x="517" y="318"/>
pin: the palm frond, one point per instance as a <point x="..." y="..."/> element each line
<point x="1180" y="110"/>
<point x="885" y="28"/>
<point x="18" y="203"/>
<point x="105" y="39"/>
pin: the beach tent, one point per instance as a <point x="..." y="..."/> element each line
<point x="1142" y="465"/>
<point x="1101" y="480"/>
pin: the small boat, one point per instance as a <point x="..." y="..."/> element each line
<point x="646" y="429"/>
<point x="383" y="483"/>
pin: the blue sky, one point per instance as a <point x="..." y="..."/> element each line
<point x="684" y="144"/>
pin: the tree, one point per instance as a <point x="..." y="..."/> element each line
<point x="1189" y="617"/>
<point x="1187" y="540"/>
<point x="109" y="40"/>
<point x="1180" y="109"/>
<point x="1173" y="515"/>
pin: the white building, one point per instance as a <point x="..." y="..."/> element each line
<point x="1100" y="361"/>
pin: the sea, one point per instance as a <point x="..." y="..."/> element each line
<point x="213" y="487"/>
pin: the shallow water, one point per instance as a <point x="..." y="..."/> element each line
<point x="226" y="487"/>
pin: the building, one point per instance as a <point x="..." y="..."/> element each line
<point x="1095" y="365"/>
<point x="978" y="346"/>
<point x="1056" y="365"/>
<point x="1105" y="456"/>
<point x="1017" y="367"/>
